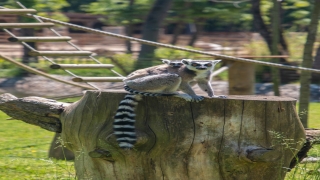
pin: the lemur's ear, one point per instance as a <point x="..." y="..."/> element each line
<point x="166" y="61"/>
<point x="186" y="61"/>
<point x="214" y="62"/>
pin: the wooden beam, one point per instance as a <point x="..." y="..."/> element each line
<point x="241" y="78"/>
<point x="26" y="25"/>
<point x="17" y="11"/>
<point x="81" y="66"/>
<point x="98" y="79"/>
<point x="39" y="39"/>
<point x="60" y="53"/>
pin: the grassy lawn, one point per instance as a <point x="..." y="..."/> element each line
<point x="314" y="116"/>
<point x="24" y="152"/>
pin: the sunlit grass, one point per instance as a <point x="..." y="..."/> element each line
<point x="314" y="115"/>
<point x="24" y="153"/>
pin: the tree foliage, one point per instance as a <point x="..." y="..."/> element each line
<point x="120" y="12"/>
<point x="295" y="13"/>
<point x="75" y="5"/>
<point x="216" y="15"/>
<point x="307" y="62"/>
<point x="51" y="8"/>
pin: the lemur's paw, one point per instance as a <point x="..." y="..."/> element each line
<point x="220" y="96"/>
<point x="184" y="96"/>
<point x="197" y="98"/>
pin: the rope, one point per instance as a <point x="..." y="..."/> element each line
<point x="30" y="69"/>
<point x="70" y="43"/>
<point x="224" y="57"/>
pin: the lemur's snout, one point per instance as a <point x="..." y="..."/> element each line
<point x="202" y="68"/>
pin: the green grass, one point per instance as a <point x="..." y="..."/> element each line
<point x="24" y="152"/>
<point x="314" y="116"/>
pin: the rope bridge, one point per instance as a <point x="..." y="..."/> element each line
<point x="44" y="22"/>
<point x="58" y="38"/>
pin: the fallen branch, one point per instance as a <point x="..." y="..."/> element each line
<point x="34" y="110"/>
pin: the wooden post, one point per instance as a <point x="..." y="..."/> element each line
<point x="242" y="137"/>
<point x="241" y="77"/>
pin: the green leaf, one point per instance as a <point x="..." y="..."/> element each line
<point x="299" y="14"/>
<point x="301" y="4"/>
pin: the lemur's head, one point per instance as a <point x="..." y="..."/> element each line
<point x="200" y="65"/>
<point x="173" y="63"/>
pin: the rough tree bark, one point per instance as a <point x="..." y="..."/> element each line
<point x="242" y="137"/>
<point x="41" y="112"/>
<point x="305" y="76"/>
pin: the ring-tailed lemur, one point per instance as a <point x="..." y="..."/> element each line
<point x="161" y="80"/>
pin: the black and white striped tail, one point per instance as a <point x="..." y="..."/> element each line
<point x="124" y="120"/>
<point x="127" y="88"/>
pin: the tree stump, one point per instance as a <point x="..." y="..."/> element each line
<point x="242" y="137"/>
<point x="58" y="151"/>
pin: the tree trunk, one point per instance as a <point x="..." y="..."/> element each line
<point x="26" y="58"/>
<point x="176" y="32"/>
<point x="305" y="76"/>
<point x="180" y="24"/>
<point x="242" y="137"/>
<point x="264" y="30"/>
<point x="259" y="24"/>
<point x="316" y="65"/>
<point x="198" y="28"/>
<point x="150" y="32"/>
<point x="274" y="45"/>
<point x="215" y="139"/>
<point x="128" y="29"/>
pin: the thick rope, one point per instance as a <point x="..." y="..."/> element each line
<point x="224" y="57"/>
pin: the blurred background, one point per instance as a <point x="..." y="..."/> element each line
<point x="281" y="32"/>
<point x="224" y="27"/>
<point x="264" y="30"/>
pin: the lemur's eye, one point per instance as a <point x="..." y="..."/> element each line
<point x="209" y="65"/>
<point x="194" y="64"/>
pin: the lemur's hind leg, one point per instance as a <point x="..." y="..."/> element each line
<point x="162" y="83"/>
